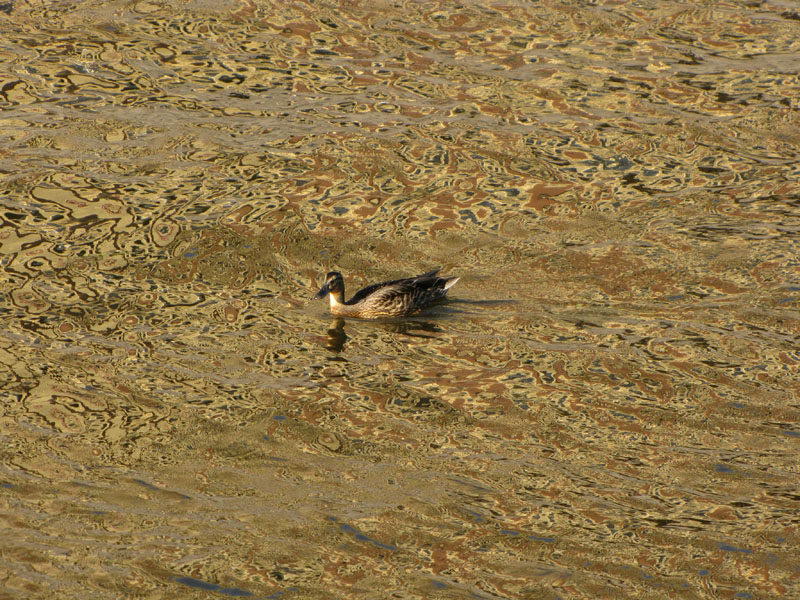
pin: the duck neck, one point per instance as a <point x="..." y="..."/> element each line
<point x="338" y="306"/>
<point x="337" y="300"/>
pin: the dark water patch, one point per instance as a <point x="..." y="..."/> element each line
<point x="212" y="587"/>
<point x="730" y="548"/>
<point x="362" y="537"/>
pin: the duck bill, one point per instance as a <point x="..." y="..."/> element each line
<point x="323" y="291"/>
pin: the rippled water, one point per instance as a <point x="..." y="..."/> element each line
<point x="607" y="408"/>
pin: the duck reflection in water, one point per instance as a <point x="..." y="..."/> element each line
<point x="337" y="336"/>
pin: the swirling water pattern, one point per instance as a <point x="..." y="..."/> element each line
<point x="608" y="408"/>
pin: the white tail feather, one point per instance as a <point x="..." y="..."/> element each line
<point x="451" y="283"/>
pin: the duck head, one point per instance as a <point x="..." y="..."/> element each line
<point x="334" y="285"/>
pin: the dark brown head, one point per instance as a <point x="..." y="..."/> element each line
<point x="334" y="284"/>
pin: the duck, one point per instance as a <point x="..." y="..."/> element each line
<point x="397" y="298"/>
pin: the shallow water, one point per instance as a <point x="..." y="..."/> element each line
<point x="607" y="408"/>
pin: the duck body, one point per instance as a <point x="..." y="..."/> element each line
<point x="397" y="298"/>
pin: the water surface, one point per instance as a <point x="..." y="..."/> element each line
<point x="608" y="408"/>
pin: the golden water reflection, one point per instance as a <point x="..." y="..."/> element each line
<point x="607" y="408"/>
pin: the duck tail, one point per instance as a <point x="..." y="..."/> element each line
<point x="429" y="273"/>
<point x="448" y="283"/>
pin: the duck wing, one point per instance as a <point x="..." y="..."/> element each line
<point x="396" y="286"/>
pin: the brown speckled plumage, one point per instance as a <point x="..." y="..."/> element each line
<point x="397" y="298"/>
